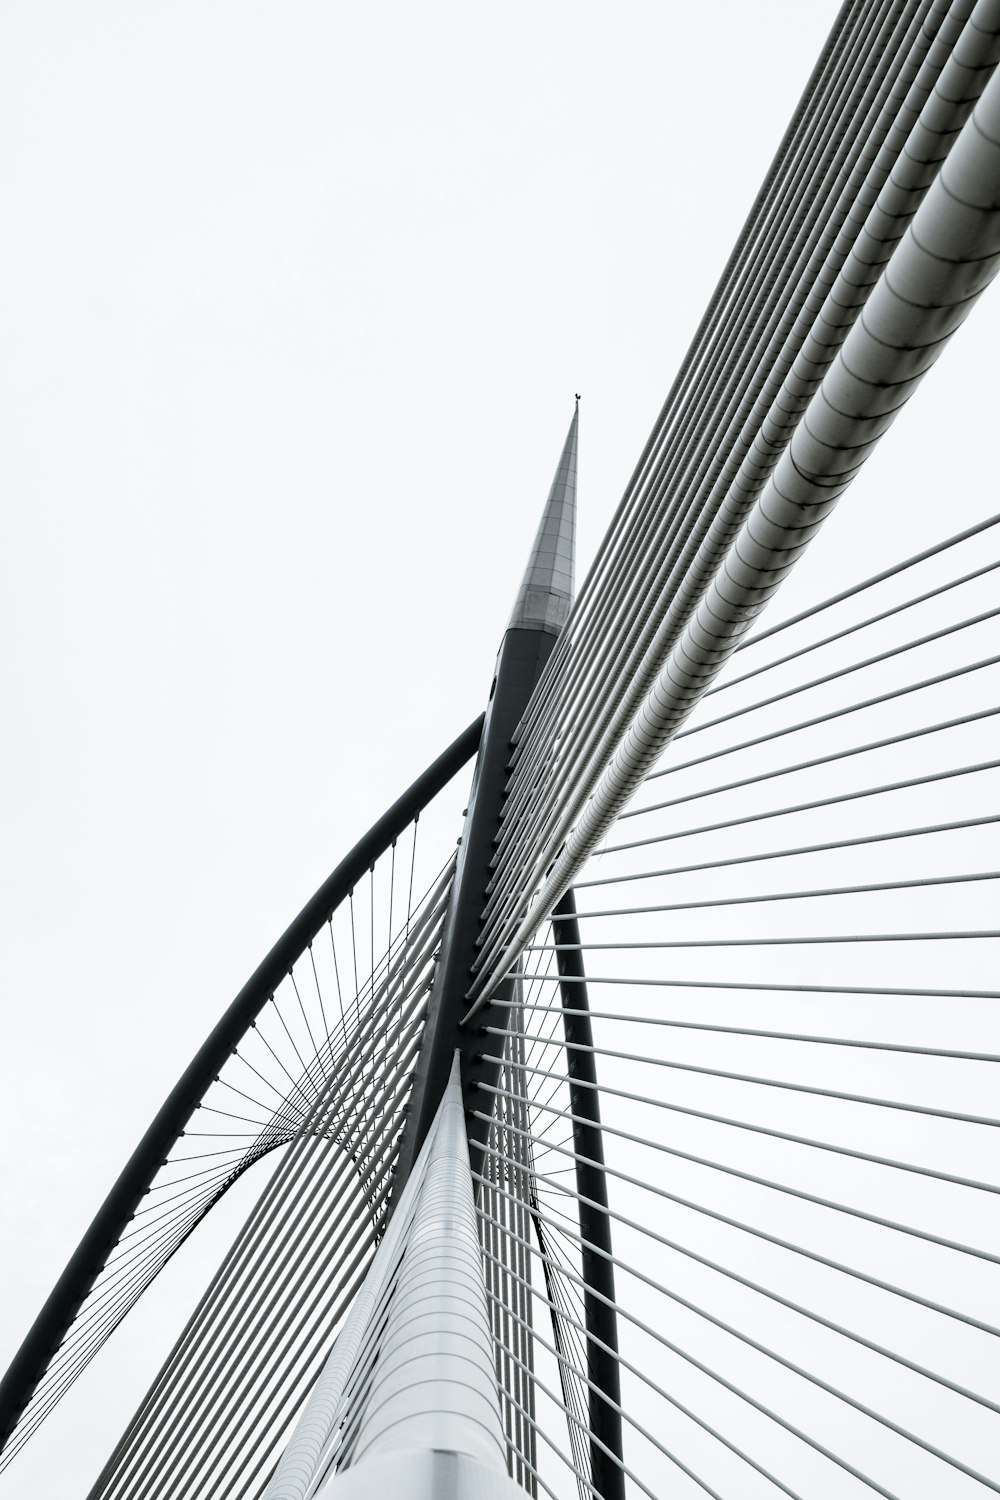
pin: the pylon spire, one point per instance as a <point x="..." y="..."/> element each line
<point x="546" y="591"/>
<point x="540" y="610"/>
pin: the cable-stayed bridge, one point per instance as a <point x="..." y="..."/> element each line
<point x="643" y="1144"/>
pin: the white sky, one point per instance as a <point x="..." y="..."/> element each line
<point x="296" y="299"/>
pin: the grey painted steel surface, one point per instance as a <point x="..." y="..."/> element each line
<point x="425" y="1474"/>
<point x="431" y="1418"/>
<point x="303" y="1456"/>
<point x="546" y="592"/>
<point x="945" y="260"/>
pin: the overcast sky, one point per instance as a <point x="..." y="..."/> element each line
<point x="295" y="301"/>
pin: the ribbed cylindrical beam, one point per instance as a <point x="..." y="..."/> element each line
<point x="303" y="1454"/>
<point x="946" y="259"/>
<point x="430" y="1423"/>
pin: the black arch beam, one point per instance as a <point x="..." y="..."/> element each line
<point x="90" y="1256"/>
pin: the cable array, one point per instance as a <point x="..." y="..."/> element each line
<point x="851" y="195"/>
<point x="781" y="960"/>
<point x="504" y="1224"/>
<point x="214" y="1420"/>
<point x="311" y="1059"/>
<point x="733" y="1001"/>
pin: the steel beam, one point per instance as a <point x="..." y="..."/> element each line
<point x="597" y="1264"/>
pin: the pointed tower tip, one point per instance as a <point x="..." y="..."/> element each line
<point x="546" y="593"/>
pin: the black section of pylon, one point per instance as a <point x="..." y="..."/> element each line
<point x="599" y="1304"/>
<point x="69" y="1292"/>
<point x="521" y="659"/>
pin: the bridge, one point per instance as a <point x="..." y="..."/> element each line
<point x="643" y="1140"/>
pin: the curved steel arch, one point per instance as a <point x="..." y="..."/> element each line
<point x="85" y="1265"/>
